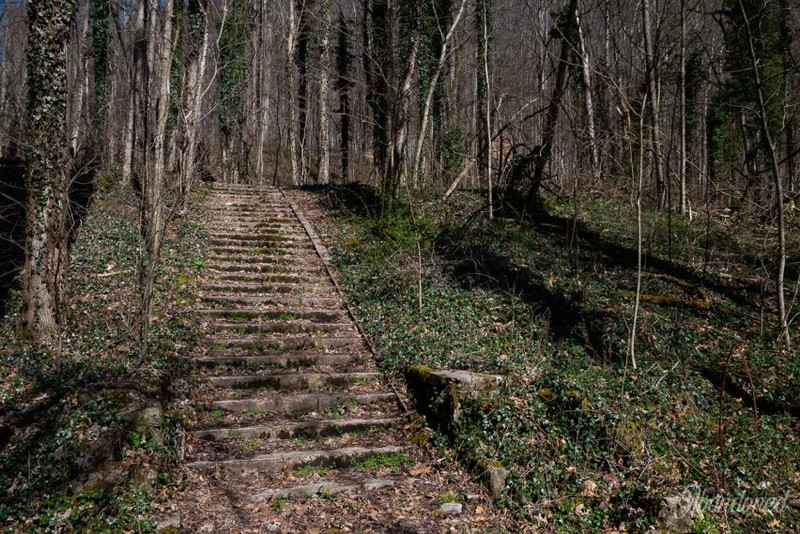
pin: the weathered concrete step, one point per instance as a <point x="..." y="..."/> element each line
<point x="292" y="381"/>
<point x="299" y="268"/>
<point x="278" y="260"/>
<point x="267" y="278"/>
<point x="283" y="359"/>
<point x="257" y="242"/>
<point x="274" y="300"/>
<point x="289" y="430"/>
<point x="282" y="314"/>
<point x="268" y="288"/>
<point x="282" y="327"/>
<point x="301" y="403"/>
<point x="275" y="463"/>
<point x="271" y="248"/>
<point x="287" y="344"/>
<point x="324" y="488"/>
<point x="247" y="234"/>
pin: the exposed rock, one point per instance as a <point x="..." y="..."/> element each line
<point x="495" y="478"/>
<point x="679" y="512"/>
<point x="438" y="393"/>
<point x="170" y="525"/>
<point x="451" y="508"/>
<point x="147" y="421"/>
<point x="109" y="476"/>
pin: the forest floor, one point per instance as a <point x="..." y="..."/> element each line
<point x="708" y="417"/>
<point x="592" y="444"/>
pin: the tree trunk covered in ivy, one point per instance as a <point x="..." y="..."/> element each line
<point x="47" y="179"/>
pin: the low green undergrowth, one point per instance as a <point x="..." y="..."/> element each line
<point x="591" y="442"/>
<point x="74" y="454"/>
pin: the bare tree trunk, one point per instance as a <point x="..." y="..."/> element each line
<point x="325" y="92"/>
<point x="426" y="114"/>
<point x="157" y="93"/>
<point x="293" y="83"/>
<point x="568" y="37"/>
<point x="587" y="97"/>
<point x="682" y="89"/>
<point x="653" y="99"/>
<point x="196" y="77"/>
<point x="776" y="178"/>
<point x="46" y="253"/>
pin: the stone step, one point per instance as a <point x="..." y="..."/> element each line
<point x="299" y="403"/>
<point x="282" y="327"/>
<point x="285" y="261"/>
<point x="287" y="344"/>
<point x="291" y="381"/>
<point x="271" y="248"/>
<point x="266" y="278"/>
<point x="289" y="430"/>
<point x="267" y="288"/>
<point x="276" y="463"/>
<point x="299" y="303"/>
<point x="266" y="268"/>
<point x="281" y="314"/>
<point x="248" y="234"/>
<point x="282" y="359"/>
<point x="259" y="242"/>
<point x="324" y="487"/>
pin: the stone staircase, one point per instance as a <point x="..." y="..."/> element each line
<point x="289" y="407"/>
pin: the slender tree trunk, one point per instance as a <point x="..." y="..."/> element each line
<point x="426" y="114"/>
<point x="157" y="94"/>
<point x="653" y="98"/>
<point x="568" y="38"/>
<point x="682" y="89"/>
<point x="293" y="84"/>
<point x="776" y="178"/>
<point x="46" y="252"/>
<point x="586" y="78"/>
<point x="325" y="92"/>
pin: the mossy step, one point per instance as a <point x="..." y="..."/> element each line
<point x="274" y="267"/>
<point x="288" y="277"/>
<point x="286" y="344"/>
<point x="243" y="315"/>
<point x="289" y="430"/>
<point x="277" y="260"/>
<point x="248" y="234"/>
<point x="266" y="248"/>
<point x="292" y="381"/>
<point x="300" y="403"/>
<point x="272" y="300"/>
<point x="276" y="463"/>
<point x="282" y="327"/>
<point x="268" y="288"/>
<point x="283" y="359"/>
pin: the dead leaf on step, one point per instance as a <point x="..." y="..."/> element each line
<point x="420" y="469"/>
<point x="479" y="509"/>
<point x="217" y="473"/>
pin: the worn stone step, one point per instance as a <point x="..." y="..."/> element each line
<point x="291" y="381"/>
<point x="268" y="288"/>
<point x="273" y="300"/>
<point x="289" y="430"/>
<point x="282" y="327"/>
<point x="324" y="487"/>
<point x="267" y="278"/>
<point x="300" y="403"/>
<point x="271" y="248"/>
<point x="248" y="234"/>
<point x="298" y="268"/>
<point x="285" y="344"/>
<point x="324" y="316"/>
<point x="259" y="242"/>
<point x="282" y="359"/>
<point x="275" y="463"/>
<point x="286" y="261"/>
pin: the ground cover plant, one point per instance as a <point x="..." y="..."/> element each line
<point x="710" y="411"/>
<point x="88" y="438"/>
